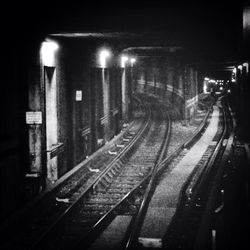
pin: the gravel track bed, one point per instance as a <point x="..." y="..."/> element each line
<point x="147" y="152"/>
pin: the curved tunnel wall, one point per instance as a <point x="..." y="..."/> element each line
<point x="173" y="81"/>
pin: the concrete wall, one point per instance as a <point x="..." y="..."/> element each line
<point x="81" y="105"/>
<point x="170" y="79"/>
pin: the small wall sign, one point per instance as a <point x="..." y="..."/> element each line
<point x="34" y="117"/>
<point x="78" y="95"/>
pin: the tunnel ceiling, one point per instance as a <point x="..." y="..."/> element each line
<point x="211" y="33"/>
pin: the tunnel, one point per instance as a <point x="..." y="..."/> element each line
<point x="77" y="82"/>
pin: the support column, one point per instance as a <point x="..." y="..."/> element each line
<point x="94" y="109"/>
<point x="106" y="104"/>
<point x="124" y="95"/>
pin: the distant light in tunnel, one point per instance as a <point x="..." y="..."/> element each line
<point x="205" y="88"/>
<point x="124" y="59"/>
<point x="212" y="81"/>
<point x="206" y="79"/>
<point x="132" y="61"/>
<point x="48" y="49"/>
<point x="247" y="66"/>
<point x="104" y="54"/>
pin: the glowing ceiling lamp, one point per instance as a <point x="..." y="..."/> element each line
<point x="104" y="54"/>
<point x="132" y="61"/>
<point x="247" y="66"/>
<point x="48" y="49"/>
<point x="124" y="59"/>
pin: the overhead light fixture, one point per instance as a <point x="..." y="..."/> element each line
<point x="247" y="66"/>
<point x="104" y="54"/>
<point x="48" y="49"/>
<point x="132" y="61"/>
<point x="124" y="59"/>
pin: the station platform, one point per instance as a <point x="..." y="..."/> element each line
<point x="164" y="201"/>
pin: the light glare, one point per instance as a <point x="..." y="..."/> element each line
<point x="132" y="61"/>
<point x="247" y="66"/>
<point x="104" y="54"/>
<point x="124" y="59"/>
<point x="48" y="49"/>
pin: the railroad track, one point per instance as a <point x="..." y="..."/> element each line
<point x="94" y="210"/>
<point x="89" y="206"/>
<point x="185" y="229"/>
<point x="127" y="237"/>
<point x="164" y="166"/>
<point x="25" y="227"/>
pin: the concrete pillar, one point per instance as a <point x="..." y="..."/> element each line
<point x="106" y="103"/>
<point x="196" y="91"/>
<point x="238" y="92"/>
<point x="35" y="131"/>
<point x="124" y="94"/>
<point x="94" y="109"/>
<point x="129" y="92"/>
<point x="185" y="94"/>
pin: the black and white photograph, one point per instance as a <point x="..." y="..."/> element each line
<point x="125" y="125"/>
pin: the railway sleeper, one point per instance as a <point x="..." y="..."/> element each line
<point x="97" y="206"/>
<point x="104" y="200"/>
<point x="107" y="195"/>
<point x="142" y="171"/>
<point x="117" y="166"/>
<point x="123" y="159"/>
<point x="123" y="185"/>
<point x="102" y="185"/>
<point x="110" y="174"/>
<point x="106" y="180"/>
<point x="89" y="215"/>
<point x="96" y="203"/>
<point x="113" y="171"/>
<point x="130" y="175"/>
<point x="117" y="191"/>
<point x="143" y="160"/>
<point x="130" y="179"/>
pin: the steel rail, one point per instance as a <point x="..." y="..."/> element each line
<point x="59" y="183"/>
<point x="195" y="181"/>
<point x="95" y="230"/>
<point x="129" y="147"/>
<point x="133" y="237"/>
<point x="204" y="229"/>
<point x="137" y="222"/>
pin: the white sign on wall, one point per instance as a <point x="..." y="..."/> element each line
<point x="34" y="117"/>
<point x="78" y="95"/>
